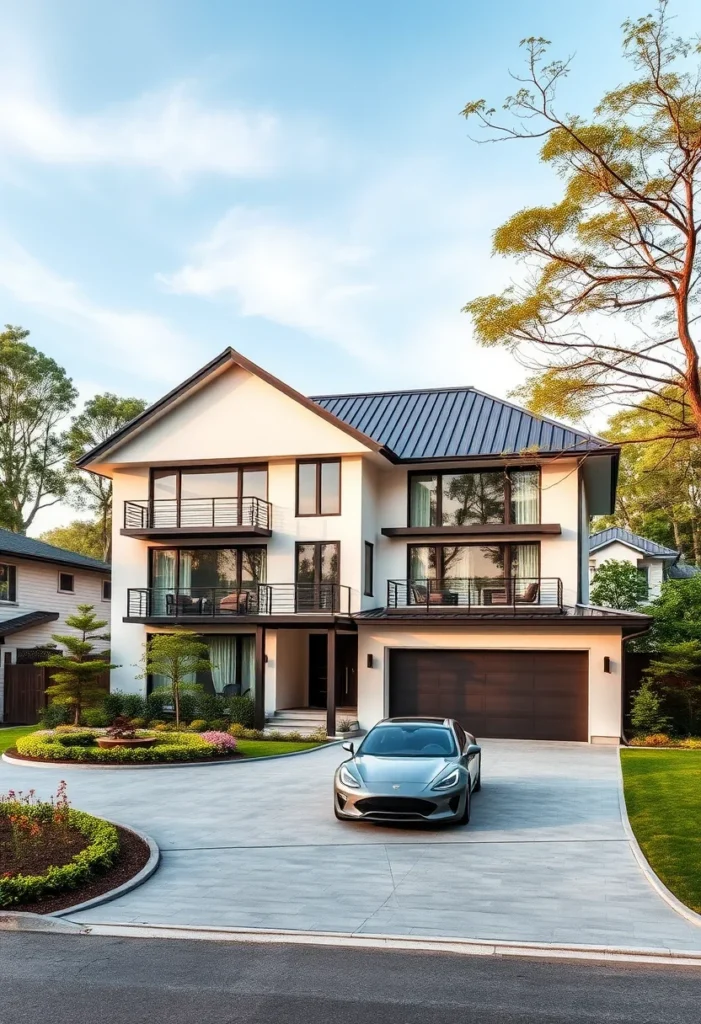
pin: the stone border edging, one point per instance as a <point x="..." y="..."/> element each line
<point x="657" y="884"/>
<point x="21" y="920"/>
<point x="21" y="762"/>
<point x="466" y="947"/>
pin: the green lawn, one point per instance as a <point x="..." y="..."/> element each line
<point x="663" y="797"/>
<point x="264" y="748"/>
<point x="10" y="735"/>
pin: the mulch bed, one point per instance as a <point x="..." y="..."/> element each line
<point x="133" y="855"/>
<point x="216" y="758"/>
<point x="55" y="847"/>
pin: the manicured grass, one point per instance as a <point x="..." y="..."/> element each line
<point x="663" y="797"/>
<point x="265" y="748"/>
<point x="10" y="735"/>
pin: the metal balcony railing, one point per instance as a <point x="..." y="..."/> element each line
<point x="515" y="593"/>
<point x="227" y="602"/>
<point x="194" y="513"/>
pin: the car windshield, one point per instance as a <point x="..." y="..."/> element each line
<point x="409" y="741"/>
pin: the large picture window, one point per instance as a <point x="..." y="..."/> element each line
<point x="205" y="579"/>
<point x="476" y="574"/>
<point x="188" y="497"/>
<point x="475" y="497"/>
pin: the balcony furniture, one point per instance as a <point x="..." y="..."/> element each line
<point x="257" y="599"/>
<point x="185" y="604"/>
<point x="529" y="596"/>
<point x="428" y="595"/>
<point x="477" y="594"/>
<point x="237" y="603"/>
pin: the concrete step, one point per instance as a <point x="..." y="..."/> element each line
<point x="304" y="720"/>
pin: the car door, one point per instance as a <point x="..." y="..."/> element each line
<point x="471" y="761"/>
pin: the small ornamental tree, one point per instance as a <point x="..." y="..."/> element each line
<point x="76" y="674"/>
<point x="647" y="715"/>
<point x="177" y="657"/>
<point x="618" y="584"/>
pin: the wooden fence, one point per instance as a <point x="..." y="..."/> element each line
<point x="25" y="692"/>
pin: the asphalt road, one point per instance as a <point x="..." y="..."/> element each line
<point x="80" y="980"/>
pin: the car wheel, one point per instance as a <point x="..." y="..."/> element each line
<point x="464" y="818"/>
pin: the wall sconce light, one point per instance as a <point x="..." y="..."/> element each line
<point x="369" y="662"/>
<point x="607" y="664"/>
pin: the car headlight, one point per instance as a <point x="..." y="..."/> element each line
<point x="347" y="779"/>
<point x="449" y="780"/>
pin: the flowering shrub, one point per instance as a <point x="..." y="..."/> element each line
<point x="222" y="742"/>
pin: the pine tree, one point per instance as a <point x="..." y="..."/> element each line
<point x="76" y="674"/>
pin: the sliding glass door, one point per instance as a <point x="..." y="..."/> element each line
<point x="206" y="580"/>
<point x="317" y="573"/>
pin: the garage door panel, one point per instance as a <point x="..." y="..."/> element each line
<point x="509" y="694"/>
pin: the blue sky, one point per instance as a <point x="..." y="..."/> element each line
<point x="291" y="178"/>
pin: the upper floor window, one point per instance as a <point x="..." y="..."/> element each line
<point x="369" y="570"/>
<point x="481" y="496"/>
<point x="66" y="583"/>
<point x="8" y="582"/>
<point x="319" y="487"/>
<point x="223" y="482"/>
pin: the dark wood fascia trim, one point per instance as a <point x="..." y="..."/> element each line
<point x="193" y="532"/>
<point x="499" y="530"/>
<point x="530" y="619"/>
<point x="299" y="620"/>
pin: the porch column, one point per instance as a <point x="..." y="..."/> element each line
<point x="259" y="689"/>
<point x="331" y="683"/>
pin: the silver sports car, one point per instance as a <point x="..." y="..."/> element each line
<point x="409" y="769"/>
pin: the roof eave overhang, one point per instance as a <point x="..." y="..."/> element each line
<point x="105" y="569"/>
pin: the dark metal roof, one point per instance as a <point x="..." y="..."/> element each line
<point x="579" y="615"/>
<point x="18" y="546"/>
<point x="456" y="423"/>
<point x="20" y="622"/>
<point x="633" y="540"/>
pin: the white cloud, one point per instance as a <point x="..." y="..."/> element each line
<point x="171" y="131"/>
<point x="126" y="338"/>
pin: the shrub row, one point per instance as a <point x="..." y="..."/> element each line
<point x="177" y="746"/>
<point x="660" y="739"/>
<point x="211" y="710"/>
<point x="100" y="854"/>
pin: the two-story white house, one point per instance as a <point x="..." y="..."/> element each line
<point x="417" y="552"/>
<point x="40" y="586"/>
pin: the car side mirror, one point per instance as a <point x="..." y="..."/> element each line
<point x="349" y="747"/>
<point x="473" y="748"/>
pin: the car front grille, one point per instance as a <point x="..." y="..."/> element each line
<point x="395" y="805"/>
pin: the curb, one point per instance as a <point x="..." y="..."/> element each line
<point x="464" y="947"/>
<point x="657" y="884"/>
<point x="22" y="921"/>
<point x="19" y="762"/>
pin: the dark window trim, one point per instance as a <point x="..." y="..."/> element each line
<point x="109" y="584"/>
<point x="369" y="570"/>
<point x="507" y="545"/>
<point x="317" y="558"/>
<point x="318" y="463"/>
<point x="12" y="593"/>
<point x="64" y="590"/>
<point x="440" y="473"/>
<point x="209" y="547"/>
<point x="225" y="467"/>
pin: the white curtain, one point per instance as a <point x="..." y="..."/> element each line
<point x="163" y="580"/>
<point x="222" y="654"/>
<point x="526" y="559"/>
<point x="423" y="490"/>
<point x="185" y="581"/>
<point x="248" y="665"/>
<point x="524" y="495"/>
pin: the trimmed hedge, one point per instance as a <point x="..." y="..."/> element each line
<point x="100" y="854"/>
<point x="170" y="746"/>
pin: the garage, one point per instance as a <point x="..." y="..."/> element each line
<point x="540" y="695"/>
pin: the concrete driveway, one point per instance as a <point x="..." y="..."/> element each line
<point x="545" y="858"/>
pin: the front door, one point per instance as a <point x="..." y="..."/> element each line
<point x="318" y="670"/>
<point x="346" y="670"/>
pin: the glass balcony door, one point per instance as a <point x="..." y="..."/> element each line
<point x="317" y="575"/>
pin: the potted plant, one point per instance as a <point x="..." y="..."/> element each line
<point x="346" y="726"/>
<point x="122" y="733"/>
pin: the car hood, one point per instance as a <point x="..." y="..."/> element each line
<point x="417" y="770"/>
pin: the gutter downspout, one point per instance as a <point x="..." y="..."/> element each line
<point x="631" y="636"/>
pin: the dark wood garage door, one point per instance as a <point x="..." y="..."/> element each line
<point x="541" y="695"/>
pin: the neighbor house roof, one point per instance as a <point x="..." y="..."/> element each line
<point x="20" y="622"/>
<point x="458" y="423"/>
<point x="616" y="534"/>
<point x="16" y="545"/>
<point x="404" y="426"/>
<point x="682" y="571"/>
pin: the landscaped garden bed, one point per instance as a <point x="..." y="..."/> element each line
<point x="53" y="857"/>
<point x="663" y="798"/>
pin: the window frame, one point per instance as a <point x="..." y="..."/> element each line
<point x="12" y="579"/>
<point x="369" y="569"/>
<point x="109" y="584"/>
<point x="64" y="590"/>
<point x="440" y="473"/>
<point x="506" y="545"/>
<point x="237" y="467"/>
<point x="238" y="548"/>
<point x="317" y="560"/>
<point x="317" y="503"/>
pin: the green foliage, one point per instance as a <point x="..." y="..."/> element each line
<point x="242" y="710"/>
<point x="94" y="718"/>
<point x="647" y="714"/>
<point x="98" y="855"/>
<point x="171" y="746"/>
<point x="35" y="396"/>
<point x="619" y="240"/>
<point x="618" y="585"/>
<point x="85" y="538"/>
<point x="677" y="669"/>
<point x="77" y="738"/>
<point x="102" y="415"/>
<point x="676" y="615"/>
<point x="54" y="714"/>
<point x="75" y="675"/>
<point x="178" y="657"/>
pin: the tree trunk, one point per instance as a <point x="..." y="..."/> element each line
<point x="176" y="702"/>
<point x="677" y="535"/>
<point x="696" y="537"/>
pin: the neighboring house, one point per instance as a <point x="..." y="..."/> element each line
<point x="39" y="586"/>
<point x="653" y="561"/>
<point x="417" y="552"/>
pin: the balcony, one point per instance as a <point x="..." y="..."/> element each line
<point x="193" y="517"/>
<point x="480" y="595"/>
<point x="222" y="604"/>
